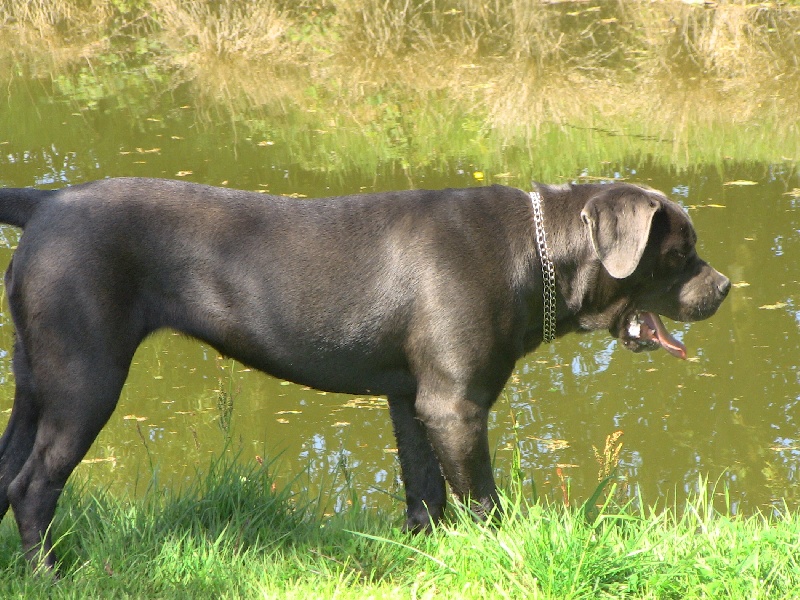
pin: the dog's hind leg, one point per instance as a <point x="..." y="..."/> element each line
<point x="20" y="434"/>
<point x="69" y="397"/>
<point x="422" y="476"/>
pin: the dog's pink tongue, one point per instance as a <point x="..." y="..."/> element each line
<point x="664" y="337"/>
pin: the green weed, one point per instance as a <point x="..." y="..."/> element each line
<point x="233" y="534"/>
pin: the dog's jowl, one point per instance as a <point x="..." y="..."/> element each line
<point x="426" y="297"/>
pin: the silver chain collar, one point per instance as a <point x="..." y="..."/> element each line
<point x="548" y="271"/>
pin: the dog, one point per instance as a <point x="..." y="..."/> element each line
<point x="428" y="297"/>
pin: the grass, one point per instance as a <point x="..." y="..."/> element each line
<point x="233" y="535"/>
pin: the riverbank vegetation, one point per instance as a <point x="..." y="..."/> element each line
<point x="232" y="534"/>
<point x="404" y="80"/>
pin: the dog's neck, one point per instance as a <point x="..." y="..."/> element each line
<point x="548" y="270"/>
<point x="575" y="268"/>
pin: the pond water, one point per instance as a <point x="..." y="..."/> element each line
<point x="729" y="415"/>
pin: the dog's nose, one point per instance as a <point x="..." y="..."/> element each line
<point x="724" y="285"/>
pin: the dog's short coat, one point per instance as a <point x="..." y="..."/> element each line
<point x="427" y="297"/>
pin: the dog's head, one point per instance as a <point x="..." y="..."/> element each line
<point x="645" y="244"/>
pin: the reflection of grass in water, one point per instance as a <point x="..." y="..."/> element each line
<point x="226" y="395"/>
<point x="528" y="88"/>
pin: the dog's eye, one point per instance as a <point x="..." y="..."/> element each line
<point x="676" y="257"/>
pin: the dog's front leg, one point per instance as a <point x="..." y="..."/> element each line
<point x="457" y="429"/>
<point x="426" y="495"/>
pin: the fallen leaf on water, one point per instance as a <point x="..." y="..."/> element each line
<point x="551" y="444"/>
<point x="183" y="173"/>
<point x="93" y="461"/>
<point x="783" y="448"/>
<point x="133" y="418"/>
<point x="775" y="306"/>
<point x="365" y="403"/>
<point x="696" y="206"/>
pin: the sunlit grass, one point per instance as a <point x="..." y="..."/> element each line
<point x="232" y="533"/>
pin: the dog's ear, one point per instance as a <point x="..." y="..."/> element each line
<point x="619" y="225"/>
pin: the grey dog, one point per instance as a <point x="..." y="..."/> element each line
<point x="426" y="297"/>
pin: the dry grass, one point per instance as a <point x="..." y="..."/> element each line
<point x="198" y="29"/>
<point x="734" y="40"/>
<point x="228" y="49"/>
<point x="50" y="36"/>
<point x="726" y="41"/>
<point x="660" y="64"/>
<point x="663" y="37"/>
<point x="47" y="18"/>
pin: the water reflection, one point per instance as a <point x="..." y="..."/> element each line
<point x="730" y="414"/>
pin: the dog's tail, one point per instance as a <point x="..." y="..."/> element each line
<point x="18" y="205"/>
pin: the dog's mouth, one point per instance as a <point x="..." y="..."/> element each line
<point x="645" y="331"/>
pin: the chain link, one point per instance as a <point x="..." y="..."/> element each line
<point x="548" y="271"/>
